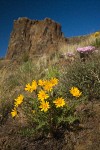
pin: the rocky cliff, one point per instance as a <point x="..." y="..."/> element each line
<point x="32" y="37"/>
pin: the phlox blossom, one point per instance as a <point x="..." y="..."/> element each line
<point x="70" y="54"/>
<point x="86" y="49"/>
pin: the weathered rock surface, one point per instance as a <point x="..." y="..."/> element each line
<point x="32" y="37"/>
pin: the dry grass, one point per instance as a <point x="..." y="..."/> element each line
<point x="10" y="76"/>
<point x="75" y="42"/>
<point x="13" y="77"/>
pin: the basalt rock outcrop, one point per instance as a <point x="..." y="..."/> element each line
<point x="32" y="37"/>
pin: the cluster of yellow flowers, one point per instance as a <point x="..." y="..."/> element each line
<point x="17" y="102"/>
<point x="59" y="102"/>
<point x="75" y="92"/>
<point x="43" y="95"/>
<point x="46" y="86"/>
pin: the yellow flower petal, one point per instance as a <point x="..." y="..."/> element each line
<point x="54" y="81"/>
<point x="42" y="95"/>
<point x="48" y="86"/>
<point x="34" y="85"/>
<point x="31" y="87"/>
<point x="19" y="100"/>
<point x="41" y="82"/>
<point x="14" y="112"/>
<point x="44" y="106"/>
<point x="75" y="92"/>
<point x="59" y="102"/>
<point x="28" y="87"/>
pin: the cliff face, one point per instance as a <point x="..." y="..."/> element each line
<point x="34" y="37"/>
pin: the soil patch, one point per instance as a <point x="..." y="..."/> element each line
<point x="86" y="136"/>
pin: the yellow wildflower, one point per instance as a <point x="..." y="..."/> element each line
<point x="19" y="100"/>
<point x="44" y="106"/>
<point x="28" y="87"/>
<point x="41" y="82"/>
<point x="14" y="112"/>
<point x="96" y="34"/>
<point x="75" y="92"/>
<point x="42" y="95"/>
<point x="54" y="81"/>
<point x="32" y="87"/>
<point x="48" y="86"/>
<point x="59" y="102"/>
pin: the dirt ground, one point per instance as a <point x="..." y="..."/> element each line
<point x="84" y="137"/>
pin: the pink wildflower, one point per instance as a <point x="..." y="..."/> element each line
<point x="70" y="54"/>
<point x="86" y="49"/>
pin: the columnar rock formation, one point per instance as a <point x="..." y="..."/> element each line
<point x="34" y="37"/>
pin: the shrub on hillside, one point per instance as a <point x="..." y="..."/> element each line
<point x="84" y="75"/>
<point x="46" y="109"/>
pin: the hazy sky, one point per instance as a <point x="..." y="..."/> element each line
<point x="77" y="17"/>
